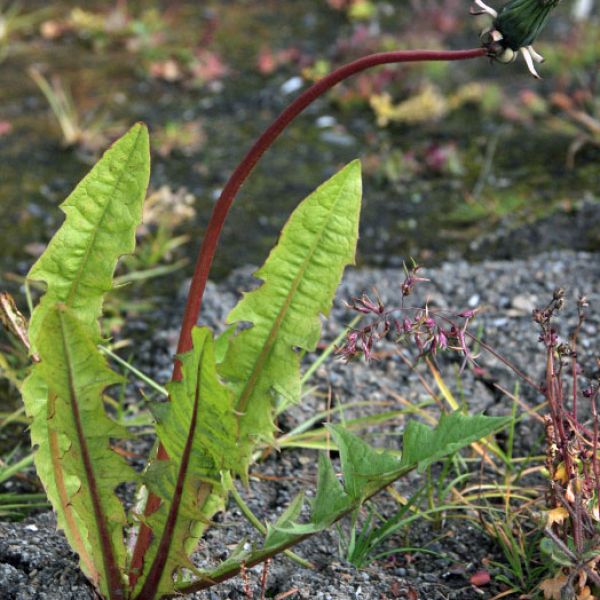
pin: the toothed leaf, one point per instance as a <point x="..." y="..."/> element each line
<point x="329" y="503"/>
<point x="299" y="282"/>
<point x="424" y="446"/>
<point x="331" y="499"/>
<point x="362" y="465"/>
<point x="365" y="471"/>
<point x="86" y="470"/>
<point x="276" y="534"/>
<point x="102" y="214"/>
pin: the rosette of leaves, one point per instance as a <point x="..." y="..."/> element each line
<point x="220" y="412"/>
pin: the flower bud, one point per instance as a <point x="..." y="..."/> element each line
<point x="514" y="29"/>
<point x="521" y="21"/>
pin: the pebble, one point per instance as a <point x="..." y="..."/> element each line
<point x="525" y="303"/>
<point x="292" y="85"/>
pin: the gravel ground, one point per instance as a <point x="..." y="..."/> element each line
<point x="35" y="562"/>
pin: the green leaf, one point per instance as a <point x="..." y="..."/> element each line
<point x="366" y="471"/>
<point x="86" y="470"/>
<point x="198" y="430"/>
<point x="361" y="464"/>
<point x="329" y="503"/>
<point x="200" y="399"/>
<point x="277" y="534"/>
<point x="222" y="343"/>
<point x="102" y="215"/>
<point x="47" y="443"/>
<point x="549" y="548"/>
<point x="423" y="446"/>
<point x="331" y="499"/>
<point x="300" y="278"/>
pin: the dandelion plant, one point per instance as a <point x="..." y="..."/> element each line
<point x="224" y="390"/>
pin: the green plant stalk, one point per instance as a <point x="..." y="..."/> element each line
<point x="255" y="522"/>
<point x="261" y="556"/>
<point x="61" y="105"/>
<point x="9" y="471"/>
<point x="319" y="439"/>
<point x="328" y="351"/>
<point x="151" y="273"/>
<point x="422" y="446"/>
<point x="141" y="376"/>
<point x="16" y="416"/>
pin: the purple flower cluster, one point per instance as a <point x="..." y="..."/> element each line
<point x="429" y="331"/>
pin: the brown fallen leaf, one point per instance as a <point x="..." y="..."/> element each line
<point x="586" y="594"/>
<point x="553" y="586"/>
<point x="412" y="594"/>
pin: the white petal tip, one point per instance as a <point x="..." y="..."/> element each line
<point x="535" y="55"/>
<point x="529" y="61"/>
<point x="486" y="9"/>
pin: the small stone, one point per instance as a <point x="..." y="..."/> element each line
<point x="474" y="301"/>
<point x="524" y="303"/>
<point x="292" y="85"/>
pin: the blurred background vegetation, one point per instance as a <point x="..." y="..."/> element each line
<point x="452" y="152"/>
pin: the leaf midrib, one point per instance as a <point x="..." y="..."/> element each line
<point x="156" y="570"/>
<point x="108" y="557"/>
<point x="61" y="489"/>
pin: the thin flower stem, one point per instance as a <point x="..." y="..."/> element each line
<point x="574" y="339"/>
<point x="554" y="397"/>
<point x="595" y="466"/>
<point x="513" y="367"/>
<point x="264" y="577"/>
<point x="566" y="550"/>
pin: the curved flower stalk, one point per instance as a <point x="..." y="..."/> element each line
<point x="514" y="29"/>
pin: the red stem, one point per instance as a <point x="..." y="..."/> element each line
<point x="264" y="142"/>
<point x="228" y="195"/>
<point x="595" y="466"/>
